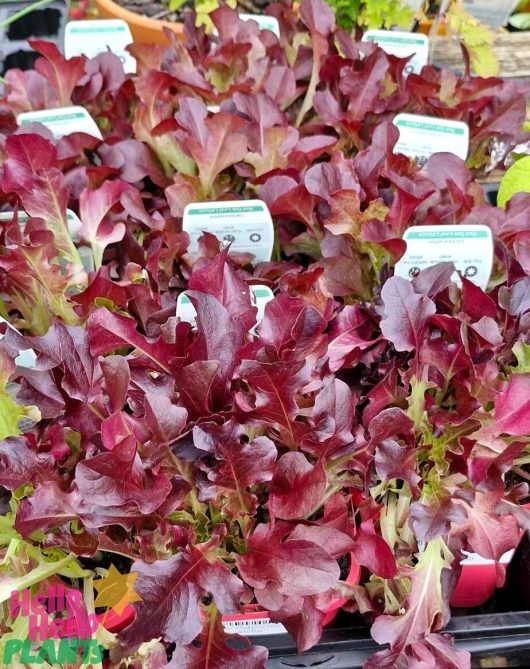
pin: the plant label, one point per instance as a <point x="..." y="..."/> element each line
<point x="475" y="558"/>
<point x="259" y="295"/>
<point x="72" y="219"/>
<point x="89" y="38"/>
<point x="245" y="224"/>
<point x="469" y="247"/>
<point x="402" y="44"/>
<point x="264" y="22"/>
<point x="252" y="624"/>
<point x="62" y="121"/>
<point x="421" y="136"/>
<point x="493" y="14"/>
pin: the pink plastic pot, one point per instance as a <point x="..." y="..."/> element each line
<point x="114" y="622"/>
<point x="255" y="621"/>
<point x="477" y="581"/>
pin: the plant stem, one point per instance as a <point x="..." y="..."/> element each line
<point x="23" y="12"/>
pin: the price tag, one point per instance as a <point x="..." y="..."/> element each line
<point x="246" y="224"/>
<point x="402" y="45"/>
<point x="73" y="222"/>
<point x="62" y="121"/>
<point x="494" y="14"/>
<point x="92" y="37"/>
<point x="252" y="624"/>
<point x="264" y="22"/>
<point x="421" y="136"/>
<point x="259" y="295"/>
<point x="469" y="247"/>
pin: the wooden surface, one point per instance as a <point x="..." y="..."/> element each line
<point x="512" y="50"/>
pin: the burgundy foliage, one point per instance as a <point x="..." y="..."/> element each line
<point x="366" y="417"/>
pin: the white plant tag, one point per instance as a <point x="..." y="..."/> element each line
<point x="246" y="224"/>
<point x="476" y="559"/>
<point x="90" y="38"/>
<point x="72" y="219"/>
<point x="264" y="22"/>
<point x="421" y="136"/>
<point x="469" y="247"/>
<point x="259" y="295"/>
<point x="62" y="121"/>
<point x="494" y="14"/>
<point x="252" y="624"/>
<point x="402" y="44"/>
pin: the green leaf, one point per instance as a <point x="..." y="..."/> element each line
<point x="385" y="14"/>
<point x="516" y="180"/>
<point x="522" y="353"/>
<point x="520" y="21"/>
<point x="175" y="4"/>
<point x="476" y="37"/>
<point x="18" y="552"/>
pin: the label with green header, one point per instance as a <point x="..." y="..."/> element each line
<point x="421" y="136"/>
<point x="414" y="46"/>
<point x="245" y="225"/>
<point x="260" y="296"/>
<point x="225" y="210"/>
<point x="469" y="247"/>
<point x="62" y="121"/>
<point x="89" y="38"/>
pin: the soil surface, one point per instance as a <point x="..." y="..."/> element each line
<point x="155" y="9"/>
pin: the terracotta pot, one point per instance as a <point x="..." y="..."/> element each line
<point x="143" y="29"/>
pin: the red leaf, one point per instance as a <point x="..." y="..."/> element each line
<point x="222" y="145"/>
<point x="238" y="466"/>
<point x="297" y="486"/>
<point x="109" y="332"/>
<point x="94" y="206"/>
<point x="62" y="74"/>
<point x="211" y="650"/>
<point x="276" y="564"/>
<point x="217" y="278"/>
<point x="406" y="314"/>
<point x="512" y="407"/>
<point x="30" y="172"/>
<point x="372" y="551"/>
<point x="116" y="488"/>
<point x="171" y="591"/>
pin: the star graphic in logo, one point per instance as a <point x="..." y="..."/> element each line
<point x="116" y="590"/>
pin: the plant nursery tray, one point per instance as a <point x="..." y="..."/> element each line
<point x="494" y="640"/>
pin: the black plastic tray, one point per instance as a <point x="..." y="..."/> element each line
<point x="501" y="639"/>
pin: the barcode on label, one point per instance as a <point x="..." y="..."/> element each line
<point x="254" y="627"/>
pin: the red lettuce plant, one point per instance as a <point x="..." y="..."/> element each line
<point x="368" y="416"/>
